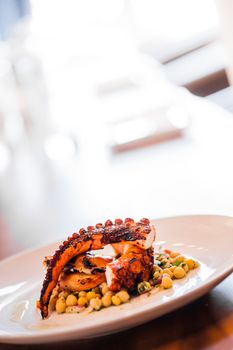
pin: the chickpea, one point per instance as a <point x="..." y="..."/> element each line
<point x="177" y="260"/>
<point x="72" y="309"/>
<point x="61" y="305"/>
<point x="174" y="255"/>
<point x="179" y="272"/>
<point x="123" y="295"/>
<point x="96" y="303"/>
<point x="156" y="275"/>
<point x="167" y="266"/>
<point x="63" y="294"/>
<point x="172" y="268"/>
<point x="71" y="300"/>
<point x="184" y="266"/>
<point x="156" y="268"/>
<point x="82" y="301"/>
<point x="53" y="300"/>
<point x="107" y="300"/>
<point x="90" y="295"/>
<point x="116" y="300"/>
<point x="52" y="303"/>
<point x="180" y="258"/>
<point x="190" y="263"/>
<point x="102" y="285"/>
<point x="168" y="271"/>
<point x="54" y="293"/>
<point x="105" y="289"/>
<point x="166" y="282"/>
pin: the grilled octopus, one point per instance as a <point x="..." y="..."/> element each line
<point x="87" y="271"/>
<point x="132" y="243"/>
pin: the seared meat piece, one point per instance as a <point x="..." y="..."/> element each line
<point x="78" y="281"/>
<point x="91" y="263"/>
<point x="132" y="267"/>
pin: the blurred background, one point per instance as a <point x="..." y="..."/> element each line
<point x="112" y="108"/>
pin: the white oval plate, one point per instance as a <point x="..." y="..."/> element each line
<point x="209" y="239"/>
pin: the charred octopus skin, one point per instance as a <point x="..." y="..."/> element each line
<point x="132" y="267"/>
<point x="140" y="234"/>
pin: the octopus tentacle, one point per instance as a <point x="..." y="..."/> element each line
<point x="93" y="238"/>
<point x="132" y="267"/>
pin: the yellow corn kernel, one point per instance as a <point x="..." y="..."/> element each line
<point x="82" y="294"/>
<point x="82" y="301"/>
<point x="196" y="264"/>
<point x="116" y="300"/>
<point x="179" y="272"/>
<point x="71" y="300"/>
<point x="123" y="295"/>
<point x="61" y="305"/>
<point x="96" y="303"/>
<point x="90" y="295"/>
<point x="166" y="282"/>
<point x="168" y="271"/>
<point x="107" y="300"/>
